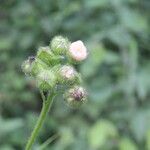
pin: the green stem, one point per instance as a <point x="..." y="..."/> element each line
<point x="45" y="109"/>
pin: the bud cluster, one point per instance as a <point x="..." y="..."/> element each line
<point x="53" y="67"/>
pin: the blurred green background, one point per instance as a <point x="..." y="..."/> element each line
<point x="116" y="74"/>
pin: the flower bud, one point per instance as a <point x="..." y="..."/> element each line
<point x="68" y="75"/>
<point x="77" y="51"/>
<point x="46" y="80"/>
<point x="59" y="45"/>
<point x="47" y="56"/>
<point x="27" y="65"/>
<point x="75" y="96"/>
<point x="37" y="66"/>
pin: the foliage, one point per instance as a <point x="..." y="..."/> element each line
<point x="116" y="73"/>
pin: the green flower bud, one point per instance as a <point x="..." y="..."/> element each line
<point x="75" y="96"/>
<point x="59" y="45"/>
<point x="37" y="66"/>
<point x="27" y="65"/>
<point x="46" y="80"/>
<point x="32" y="66"/>
<point x="68" y="75"/>
<point x="48" y="57"/>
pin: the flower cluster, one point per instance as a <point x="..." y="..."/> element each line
<point x="52" y="68"/>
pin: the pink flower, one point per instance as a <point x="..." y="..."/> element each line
<point x="78" y="51"/>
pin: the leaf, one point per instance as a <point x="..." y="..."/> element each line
<point x="143" y="82"/>
<point x="119" y="36"/>
<point x="8" y="126"/>
<point x="96" y="3"/>
<point x="132" y="19"/>
<point x="139" y="124"/>
<point x="100" y="133"/>
<point x="97" y="53"/>
<point x="148" y="140"/>
<point x="66" y="137"/>
<point x="6" y="147"/>
<point x="127" y="144"/>
<point x="47" y="142"/>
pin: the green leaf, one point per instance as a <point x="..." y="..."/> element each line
<point x="8" y="126"/>
<point x="127" y="144"/>
<point x="148" y="140"/>
<point x="96" y="4"/>
<point x="101" y="132"/>
<point x="139" y="124"/>
<point x="96" y="57"/>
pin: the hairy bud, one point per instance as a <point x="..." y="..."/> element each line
<point x="46" y="80"/>
<point x="59" y="45"/>
<point x="75" y="96"/>
<point x="68" y="75"/>
<point x="77" y="51"/>
<point x="37" y="66"/>
<point x="27" y="65"/>
<point x="47" y="56"/>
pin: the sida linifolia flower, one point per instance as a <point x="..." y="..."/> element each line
<point x="75" y="96"/>
<point x="59" y="45"/>
<point x="77" y="51"/>
<point x="68" y="75"/>
<point x="46" y="80"/>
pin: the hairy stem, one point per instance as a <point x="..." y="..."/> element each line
<point x="45" y="109"/>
